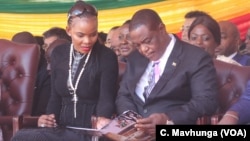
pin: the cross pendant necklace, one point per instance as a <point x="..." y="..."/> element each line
<point x="72" y="89"/>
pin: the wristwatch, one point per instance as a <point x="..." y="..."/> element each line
<point x="169" y="122"/>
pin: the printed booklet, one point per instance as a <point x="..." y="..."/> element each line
<point x="121" y="128"/>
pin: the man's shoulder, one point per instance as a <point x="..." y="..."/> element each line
<point x="227" y="60"/>
<point x="189" y="51"/>
<point x="243" y="58"/>
<point x="187" y="47"/>
<point x="247" y="57"/>
<point x="240" y="55"/>
<point x="136" y="56"/>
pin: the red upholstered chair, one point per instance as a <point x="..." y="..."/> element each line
<point x="18" y="68"/>
<point x="232" y="83"/>
<point x="232" y="80"/>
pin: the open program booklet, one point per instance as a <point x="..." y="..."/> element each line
<point x="120" y="128"/>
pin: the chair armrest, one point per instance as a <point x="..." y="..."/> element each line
<point x="6" y="120"/>
<point x="13" y="121"/>
<point x="16" y="120"/>
<point x="23" y="121"/>
<point x="30" y="121"/>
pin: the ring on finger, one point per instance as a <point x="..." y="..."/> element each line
<point x="42" y="125"/>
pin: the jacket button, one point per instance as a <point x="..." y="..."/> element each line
<point x="145" y="111"/>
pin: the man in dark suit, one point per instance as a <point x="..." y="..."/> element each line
<point x="238" y="113"/>
<point x="230" y="43"/>
<point x="186" y="88"/>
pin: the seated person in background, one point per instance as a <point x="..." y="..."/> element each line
<point x="238" y="113"/>
<point x="49" y="36"/>
<point x="115" y="43"/>
<point x="230" y="43"/>
<point x="164" y="81"/>
<point x="54" y="33"/>
<point x="247" y="43"/>
<point x="125" y="46"/>
<point x="53" y="45"/>
<point x="110" y="36"/>
<point x="204" y="32"/>
<point x="42" y="60"/>
<point x="189" y="18"/>
<point x="102" y="37"/>
<point x="41" y="98"/>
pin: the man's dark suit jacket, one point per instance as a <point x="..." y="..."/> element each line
<point x="244" y="60"/>
<point x="186" y="90"/>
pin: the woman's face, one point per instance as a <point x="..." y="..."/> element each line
<point x="203" y="38"/>
<point x="84" y="33"/>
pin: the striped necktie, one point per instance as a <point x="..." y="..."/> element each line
<point x="153" y="77"/>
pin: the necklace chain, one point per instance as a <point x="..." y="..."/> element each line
<point x="73" y="88"/>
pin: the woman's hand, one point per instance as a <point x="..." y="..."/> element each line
<point x="47" y="121"/>
<point x="101" y="122"/>
<point x="229" y="118"/>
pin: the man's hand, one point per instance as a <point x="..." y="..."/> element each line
<point x="148" y="124"/>
<point x="101" y="122"/>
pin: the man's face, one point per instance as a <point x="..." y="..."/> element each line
<point x="148" y="42"/>
<point x="125" y="46"/>
<point x="109" y="37"/>
<point x="185" y="28"/>
<point x="115" y="42"/>
<point x="229" y="41"/>
<point x="48" y="41"/>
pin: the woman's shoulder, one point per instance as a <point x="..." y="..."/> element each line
<point x="60" y="49"/>
<point x="105" y="51"/>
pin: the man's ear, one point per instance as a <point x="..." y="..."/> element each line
<point x="68" y="30"/>
<point x="238" y="43"/>
<point x="162" y="27"/>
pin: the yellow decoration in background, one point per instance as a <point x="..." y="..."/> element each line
<point x="171" y="11"/>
